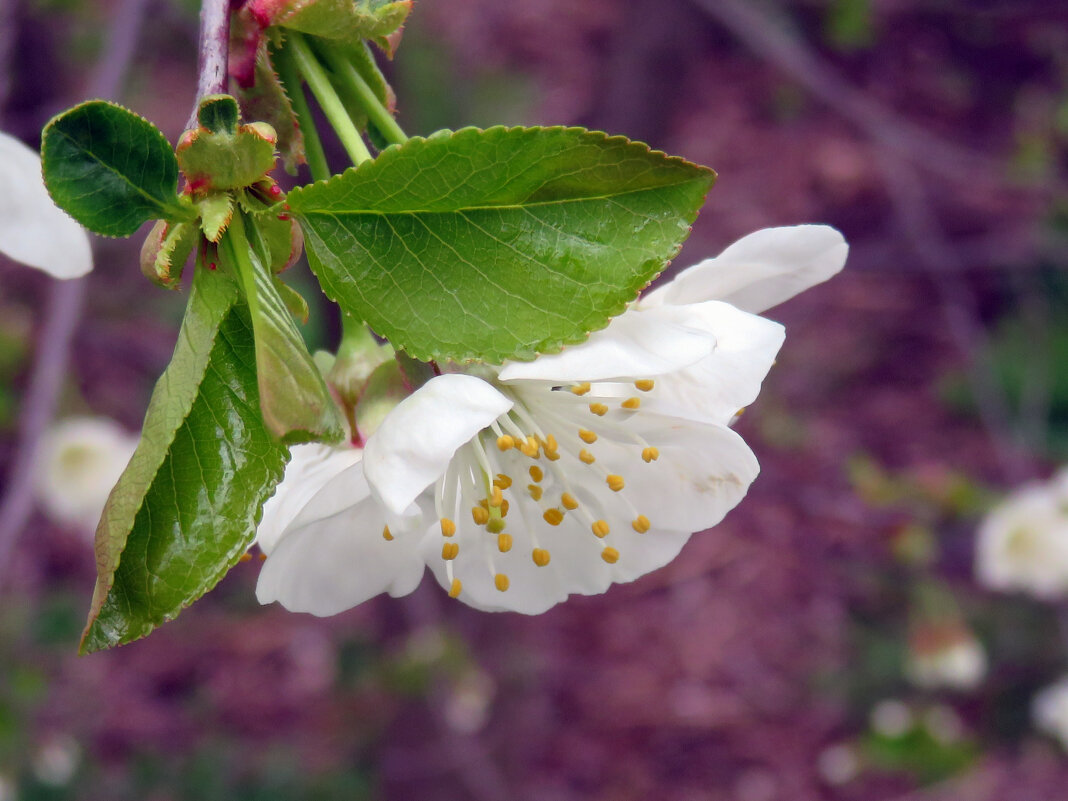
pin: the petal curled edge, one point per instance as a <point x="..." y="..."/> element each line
<point x="301" y="491"/>
<point x="418" y="439"/>
<point x="331" y="564"/>
<point x="760" y="270"/>
<point x="728" y="379"/>
<point x="33" y="230"/>
<point x="639" y="343"/>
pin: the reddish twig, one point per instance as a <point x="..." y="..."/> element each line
<point x="214" y="52"/>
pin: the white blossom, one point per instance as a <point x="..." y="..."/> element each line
<point x="33" y="230"/>
<point x="1023" y="542"/>
<point x="78" y="461"/>
<point x="1049" y="710"/>
<point x="567" y="473"/>
<point x="957" y="662"/>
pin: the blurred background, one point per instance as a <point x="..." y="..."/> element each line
<point x="828" y="641"/>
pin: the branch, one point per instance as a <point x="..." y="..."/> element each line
<point x="214" y="52"/>
<point x="63" y="312"/>
<point x="770" y="39"/>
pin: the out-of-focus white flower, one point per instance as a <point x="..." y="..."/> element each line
<point x="8" y="791"/>
<point x="78" y="462"/>
<point x="604" y="458"/>
<point x="56" y="761"/>
<point x="1023" y="543"/>
<point x="892" y="718"/>
<point x="838" y="764"/>
<point x="945" y="656"/>
<point x="33" y="230"/>
<point x="1049" y="710"/>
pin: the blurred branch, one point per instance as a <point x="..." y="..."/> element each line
<point x="768" y="34"/>
<point x="904" y="147"/>
<point x="214" y="52"/>
<point x="7" y="44"/>
<point x="63" y="310"/>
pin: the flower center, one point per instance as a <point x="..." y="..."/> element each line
<point x="536" y="476"/>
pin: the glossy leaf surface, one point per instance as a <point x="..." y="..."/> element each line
<point x="501" y="243"/>
<point x="186" y="507"/>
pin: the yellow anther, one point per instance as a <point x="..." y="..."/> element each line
<point x="640" y="524"/>
<point x="614" y="482"/>
<point x="552" y="456"/>
<point x="480" y="515"/>
<point x="536" y="473"/>
<point x="484" y="504"/>
<point x="581" y="389"/>
<point x="500" y="581"/>
<point x="587" y="436"/>
<point x="496" y="499"/>
<point x="610" y="555"/>
<point x="495" y="526"/>
<point x="503" y="481"/>
<point x="454" y="590"/>
<point x="650" y="454"/>
<point x="450" y="550"/>
<point x="586" y="456"/>
<point x="644" y="384"/>
<point x="553" y="517"/>
<point x="505" y="442"/>
<point x="568" y="501"/>
<point x="386" y="533"/>
<point x="631" y="403"/>
<point x="504" y="508"/>
<point x="535" y="491"/>
<point x="531" y="448"/>
<point x="448" y="528"/>
<point x="540" y="557"/>
<point x="599" y="409"/>
<point x="504" y="543"/>
<point x="550" y="443"/>
<point x="600" y="528"/>
<point x="740" y="412"/>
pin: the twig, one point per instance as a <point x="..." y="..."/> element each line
<point x="214" y="52"/>
<point x="770" y="38"/>
<point x="904" y="147"/>
<point x="63" y="311"/>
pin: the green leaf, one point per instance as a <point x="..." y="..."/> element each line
<point x="227" y="160"/>
<point x="497" y="244"/>
<point x="187" y="506"/>
<point x="165" y="252"/>
<point x="295" y="402"/>
<point x="216" y="210"/>
<point x="346" y="20"/>
<point x="110" y="169"/>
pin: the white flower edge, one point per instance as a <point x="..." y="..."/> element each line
<point x="1049" y="710"/>
<point x="760" y="270"/>
<point x="77" y="463"/>
<point x="329" y="544"/>
<point x="1022" y="544"/>
<point x="33" y="230"/>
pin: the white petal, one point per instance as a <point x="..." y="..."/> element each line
<point x="760" y="270"/>
<point x="638" y="343"/>
<point x="332" y="564"/>
<point x="33" y="230"/>
<point x="728" y="379"/>
<point x="703" y="471"/>
<point x="417" y="440"/>
<point x="310" y="469"/>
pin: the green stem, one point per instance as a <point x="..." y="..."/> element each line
<point x="330" y="103"/>
<point x="235" y="247"/>
<point x="364" y="94"/>
<point x="313" y="146"/>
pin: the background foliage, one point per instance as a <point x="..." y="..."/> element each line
<point x="912" y="388"/>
